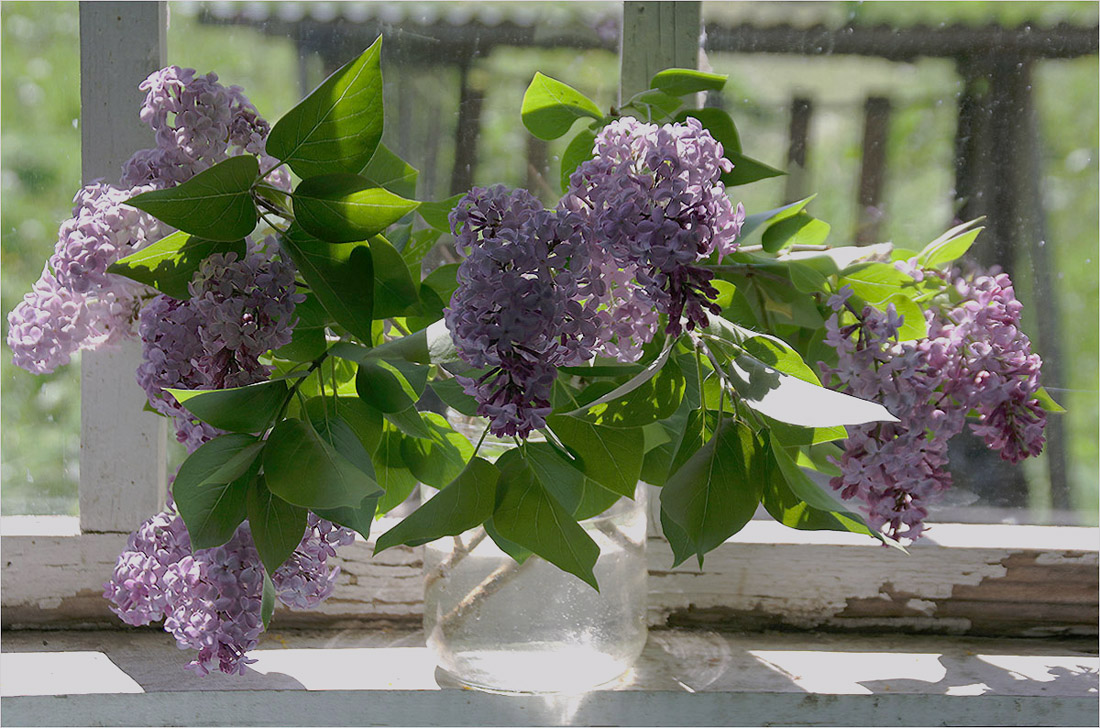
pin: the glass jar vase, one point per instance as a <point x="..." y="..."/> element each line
<point x="497" y="625"/>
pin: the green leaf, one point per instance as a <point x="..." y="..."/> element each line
<point x="682" y="548"/>
<point x="793" y="435"/>
<point x="338" y="126"/>
<point x="1047" y="402"/>
<point x="436" y="213"/>
<point x="746" y="170"/>
<point x="528" y="515"/>
<point x="464" y="503"/>
<point x="950" y="246"/>
<point x="875" y="283"/>
<point x="654" y="399"/>
<point x="410" y="421"/>
<point x="439" y="459"/>
<point x="277" y="526"/>
<point x="715" y="493"/>
<point x="308" y="338"/>
<point x="334" y="430"/>
<point x="250" y="408"/>
<point x="791" y="498"/>
<point x="913" y="326"/>
<point x="450" y="391"/>
<point x="654" y="104"/>
<point x="432" y="345"/>
<point x="390" y="386"/>
<point x="800" y="229"/>
<point x="365" y="421"/>
<point x="346" y="208"/>
<point x="388" y="170"/>
<point x="806" y="278"/>
<point x="419" y="244"/>
<point x="215" y="204"/>
<point x="357" y="519"/>
<point x="578" y="152"/>
<point x="581" y="496"/>
<point x="394" y="289"/>
<point x="267" y="602"/>
<point x="550" y="107"/>
<point x="719" y="124"/>
<point x="341" y="276"/>
<point x="210" y="487"/>
<point x="683" y="81"/>
<point x="609" y="455"/>
<point x="303" y="469"/>
<point x="170" y="264"/>
<point x="769" y="217"/>
<point x="390" y="471"/>
<point x="518" y="553"/>
<point x="436" y="291"/>
<point x="658" y="461"/>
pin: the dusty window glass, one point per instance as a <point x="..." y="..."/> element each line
<point x="40" y="160"/>
<point x="905" y="118"/>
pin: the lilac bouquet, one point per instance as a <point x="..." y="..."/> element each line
<point x="644" y="328"/>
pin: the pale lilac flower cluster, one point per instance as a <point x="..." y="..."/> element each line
<point x="524" y="305"/>
<point x="211" y="600"/>
<point x="996" y="373"/>
<point x="77" y="305"/>
<point x="304" y="580"/>
<point x="974" y="359"/>
<point x="238" y="311"/>
<point x="198" y="123"/>
<point x="653" y="199"/>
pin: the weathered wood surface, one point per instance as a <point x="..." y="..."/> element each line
<point x="387" y="677"/>
<point x="964" y="579"/>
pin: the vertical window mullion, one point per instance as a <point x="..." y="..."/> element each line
<point x="122" y="448"/>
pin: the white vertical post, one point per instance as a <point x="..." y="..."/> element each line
<point x="656" y="36"/>
<point x="122" y="448"/>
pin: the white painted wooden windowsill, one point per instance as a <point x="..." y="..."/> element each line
<point x="387" y="677"/>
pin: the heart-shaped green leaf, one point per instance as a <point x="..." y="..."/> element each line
<point x="715" y="493"/>
<point x="277" y="526"/>
<point x="611" y="456"/>
<point x="746" y="170"/>
<point x="529" y="516"/>
<point x="578" y="152"/>
<point x="303" y="469"/>
<point x="550" y="107"/>
<point x="346" y="208"/>
<point x="464" y="503"/>
<point x="338" y="126"/>
<point x="390" y="386"/>
<point x="341" y="276"/>
<point x="388" y="170"/>
<point x="394" y="289"/>
<point x="215" y="204"/>
<point x="683" y="81"/>
<point x="241" y="409"/>
<point x="211" y="485"/>
<point x="170" y="264"/>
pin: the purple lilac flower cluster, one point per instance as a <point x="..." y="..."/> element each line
<point x="524" y="304"/>
<point x="238" y="310"/>
<point x="198" y="123"/>
<point x="211" y="600"/>
<point x="654" y="201"/>
<point x="76" y="305"/>
<point x="974" y="358"/>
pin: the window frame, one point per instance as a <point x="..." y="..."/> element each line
<point x="767" y="575"/>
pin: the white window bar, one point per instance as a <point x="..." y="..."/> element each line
<point x="122" y="447"/>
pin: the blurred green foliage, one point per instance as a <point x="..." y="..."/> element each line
<point x="41" y="168"/>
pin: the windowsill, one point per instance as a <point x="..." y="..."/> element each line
<point x="385" y="677"/>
